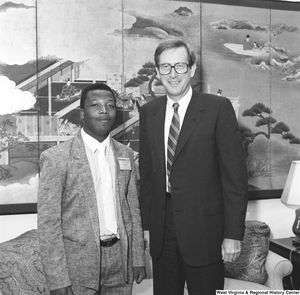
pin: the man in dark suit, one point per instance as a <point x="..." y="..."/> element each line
<point x="193" y="188"/>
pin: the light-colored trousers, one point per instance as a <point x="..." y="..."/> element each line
<point x="111" y="282"/>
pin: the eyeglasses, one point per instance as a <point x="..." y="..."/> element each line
<point x="180" y="68"/>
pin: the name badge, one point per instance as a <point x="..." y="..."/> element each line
<point x="124" y="163"/>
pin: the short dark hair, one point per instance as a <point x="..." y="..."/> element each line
<point x="95" y="86"/>
<point x="172" y="44"/>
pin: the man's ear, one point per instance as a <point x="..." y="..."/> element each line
<point x="81" y="115"/>
<point x="157" y="72"/>
<point x="193" y="69"/>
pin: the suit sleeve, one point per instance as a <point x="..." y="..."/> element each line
<point x="133" y="201"/>
<point x="233" y="172"/>
<point x="52" y="250"/>
<point x="145" y="169"/>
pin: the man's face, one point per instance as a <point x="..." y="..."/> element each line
<point x="99" y="113"/>
<point x="176" y="85"/>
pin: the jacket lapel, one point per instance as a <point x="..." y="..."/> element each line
<point x="86" y="182"/>
<point x="193" y="116"/>
<point x="119" y="181"/>
<point x="159" y="128"/>
<point x="117" y="154"/>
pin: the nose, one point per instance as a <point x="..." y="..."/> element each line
<point x="173" y="73"/>
<point x="102" y="109"/>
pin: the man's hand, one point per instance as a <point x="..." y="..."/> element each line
<point x="231" y="249"/>
<point x="139" y="273"/>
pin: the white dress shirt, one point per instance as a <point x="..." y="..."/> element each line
<point x="93" y="149"/>
<point x="183" y="105"/>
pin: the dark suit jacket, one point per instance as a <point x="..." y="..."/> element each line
<point x="68" y="222"/>
<point x="208" y="177"/>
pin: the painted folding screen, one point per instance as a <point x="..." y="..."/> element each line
<point x="51" y="50"/>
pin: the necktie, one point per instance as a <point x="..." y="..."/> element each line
<point x="107" y="191"/>
<point x="172" y="141"/>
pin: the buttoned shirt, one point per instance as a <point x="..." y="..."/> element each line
<point x="91" y="147"/>
<point x="183" y="105"/>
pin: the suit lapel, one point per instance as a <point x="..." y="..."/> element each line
<point x="117" y="153"/>
<point x="159" y="127"/>
<point x="119" y="180"/>
<point x="192" y="118"/>
<point x="86" y="182"/>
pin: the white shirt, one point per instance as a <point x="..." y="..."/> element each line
<point x="183" y="105"/>
<point x="91" y="147"/>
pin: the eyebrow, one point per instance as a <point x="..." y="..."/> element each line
<point x="97" y="98"/>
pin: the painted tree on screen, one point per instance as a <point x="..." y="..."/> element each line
<point x="265" y="120"/>
<point x="143" y="75"/>
<point x="271" y="126"/>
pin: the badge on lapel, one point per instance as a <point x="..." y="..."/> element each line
<point x="124" y="163"/>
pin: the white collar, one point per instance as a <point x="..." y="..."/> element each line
<point x="183" y="102"/>
<point x="93" y="143"/>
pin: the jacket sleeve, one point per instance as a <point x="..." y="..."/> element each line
<point x="145" y="169"/>
<point x="233" y="172"/>
<point x="50" y="191"/>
